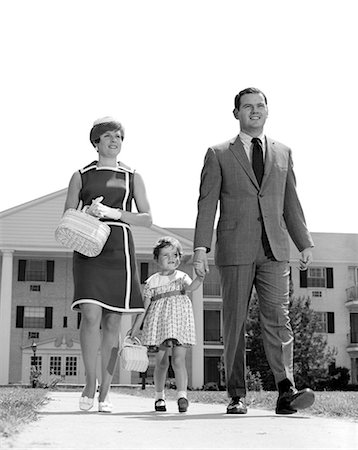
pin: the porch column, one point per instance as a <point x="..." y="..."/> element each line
<point x="5" y="314"/>
<point x="197" y="351"/>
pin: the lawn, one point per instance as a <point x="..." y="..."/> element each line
<point x="19" y="406"/>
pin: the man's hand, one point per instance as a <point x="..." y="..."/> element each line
<point x="306" y="258"/>
<point x="200" y="263"/>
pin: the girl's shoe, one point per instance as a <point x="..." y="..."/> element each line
<point x="105" y="406"/>
<point x="160" y="405"/>
<point x="183" y="404"/>
<point x="86" y="403"/>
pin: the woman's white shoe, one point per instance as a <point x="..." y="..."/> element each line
<point x="105" y="406"/>
<point x="86" y="403"/>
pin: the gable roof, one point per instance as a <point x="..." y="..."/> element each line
<point x="31" y="227"/>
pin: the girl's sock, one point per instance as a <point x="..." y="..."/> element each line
<point x="160" y="395"/>
<point x="182" y="394"/>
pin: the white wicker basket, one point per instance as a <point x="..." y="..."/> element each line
<point x="134" y="355"/>
<point x="82" y="232"/>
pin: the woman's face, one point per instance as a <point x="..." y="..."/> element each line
<point x="110" y="143"/>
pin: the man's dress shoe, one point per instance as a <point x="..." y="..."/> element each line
<point x="236" y="406"/>
<point x="289" y="402"/>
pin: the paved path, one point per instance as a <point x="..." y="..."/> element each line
<point x="134" y="425"/>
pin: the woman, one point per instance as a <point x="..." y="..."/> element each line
<point x="107" y="285"/>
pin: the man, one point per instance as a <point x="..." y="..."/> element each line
<point x="252" y="178"/>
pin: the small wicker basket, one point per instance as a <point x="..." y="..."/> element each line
<point x="134" y="355"/>
<point x="82" y="232"/>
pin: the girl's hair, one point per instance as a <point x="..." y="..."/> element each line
<point x="100" y="128"/>
<point x="167" y="241"/>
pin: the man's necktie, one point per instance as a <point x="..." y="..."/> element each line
<point x="257" y="159"/>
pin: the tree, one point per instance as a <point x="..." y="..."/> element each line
<point x="311" y="357"/>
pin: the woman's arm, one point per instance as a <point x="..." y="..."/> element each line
<point x="73" y="191"/>
<point x="142" y="218"/>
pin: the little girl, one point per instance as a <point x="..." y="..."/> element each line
<point x="168" y="321"/>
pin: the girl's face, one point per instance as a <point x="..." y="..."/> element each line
<point x="168" y="259"/>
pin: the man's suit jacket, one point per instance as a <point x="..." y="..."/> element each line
<point x="228" y="178"/>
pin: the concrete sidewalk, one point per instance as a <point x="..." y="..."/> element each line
<point x="134" y="425"/>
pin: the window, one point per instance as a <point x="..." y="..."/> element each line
<point x="36" y="270"/>
<point x="316" y="293"/>
<point x="37" y="362"/>
<point x="65" y="322"/>
<point x="78" y="320"/>
<point x="325" y="322"/>
<point x="353" y="275"/>
<point x="354" y="327"/>
<point x="316" y="277"/>
<point x="71" y="366"/>
<point x="211" y="285"/>
<point x="212" y="326"/>
<point x="55" y="365"/>
<point x="34" y="317"/>
<point x="34" y="335"/>
<point x="35" y="288"/>
<point x="144" y="270"/>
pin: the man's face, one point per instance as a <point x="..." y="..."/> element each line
<point x="252" y="113"/>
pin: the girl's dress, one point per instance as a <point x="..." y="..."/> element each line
<point x="169" y="318"/>
<point x="110" y="279"/>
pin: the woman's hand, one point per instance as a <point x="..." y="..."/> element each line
<point x="98" y="209"/>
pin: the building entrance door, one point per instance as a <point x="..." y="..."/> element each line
<point x="66" y="367"/>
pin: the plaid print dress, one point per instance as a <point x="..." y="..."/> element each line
<point x="169" y="316"/>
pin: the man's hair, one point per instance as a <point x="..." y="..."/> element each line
<point x="167" y="241"/>
<point x="250" y="90"/>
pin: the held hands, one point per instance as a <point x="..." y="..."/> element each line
<point x="306" y="258"/>
<point x="200" y="263"/>
<point x="98" y="209"/>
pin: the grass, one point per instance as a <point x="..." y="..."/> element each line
<point x="334" y="404"/>
<point x="18" y="406"/>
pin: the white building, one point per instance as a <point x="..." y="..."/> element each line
<point x="36" y="294"/>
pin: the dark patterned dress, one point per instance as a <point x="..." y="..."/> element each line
<point x="110" y="279"/>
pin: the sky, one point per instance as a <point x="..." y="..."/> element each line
<point x="169" y="71"/>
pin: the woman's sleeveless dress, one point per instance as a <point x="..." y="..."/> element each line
<point x="169" y="319"/>
<point x="110" y="279"/>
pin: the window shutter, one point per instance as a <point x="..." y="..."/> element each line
<point x="329" y="277"/>
<point x="303" y="278"/>
<point x="19" y="316"/>
<point x="330" y="322"/>
<point x="48" y="316"/>
<point x="143" y="271"/>
<point x="50" y="266"/>
<point x="21" y="270"/>
<point x="78" y="320"/>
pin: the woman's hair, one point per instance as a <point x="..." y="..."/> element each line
<point x="103" y="125"/>
<point x="167" y="241"/>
